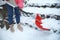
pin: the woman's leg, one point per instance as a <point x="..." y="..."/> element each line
<point x="17" y="13"/>
<point x="10" y="13"/>
<point x="10" y="16"/>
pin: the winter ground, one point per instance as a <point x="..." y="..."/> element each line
<point x="30" y="33"/>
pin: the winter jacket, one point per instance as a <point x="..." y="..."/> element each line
<point x="11" y="3"/>
<point x="20" y="3"/>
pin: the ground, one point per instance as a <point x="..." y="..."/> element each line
<point x="30" y="33"/>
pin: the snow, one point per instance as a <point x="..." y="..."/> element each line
<point x="44" y="1"/>
<point x="30" y="33"/>
<point x="46" y="11"/>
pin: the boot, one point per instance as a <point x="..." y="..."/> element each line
<point x="19" y="27"/>
<point x="11" y="28"/>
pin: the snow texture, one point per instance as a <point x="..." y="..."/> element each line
<point x="30" y="33"/>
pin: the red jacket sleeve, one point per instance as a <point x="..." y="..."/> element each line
<point x="16" y="1"/>
<point x="20" y="3"/>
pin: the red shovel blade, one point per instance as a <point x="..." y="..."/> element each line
<point x="38" y="23"/>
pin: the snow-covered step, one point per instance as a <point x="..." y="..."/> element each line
<point x="42" y="10"/>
